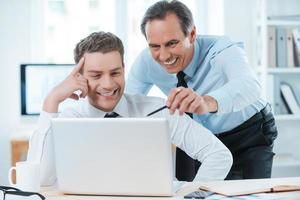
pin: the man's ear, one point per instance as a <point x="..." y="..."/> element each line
<point x="193" y="34"/>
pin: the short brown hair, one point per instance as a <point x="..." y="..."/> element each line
<point x="103" y="42"/>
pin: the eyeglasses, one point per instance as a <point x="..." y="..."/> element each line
<point x="11" y="191"/>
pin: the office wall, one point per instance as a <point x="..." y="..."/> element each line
<point x="239" y="19"/>
<point x="14" y="44"/>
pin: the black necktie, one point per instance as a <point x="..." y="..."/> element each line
<point x="180" y="77"/>
<point x="181" y="82"/>
<point x="111" y="115"/>
<point x="186" y="167"/>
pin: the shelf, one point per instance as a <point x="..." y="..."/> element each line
<point x="283" y="23"/>
<point x="291" y="70"/>
<point x="287" y="117"/>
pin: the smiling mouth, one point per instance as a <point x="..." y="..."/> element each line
<point x="171" y="62"/>
<point x="108" y="93"/>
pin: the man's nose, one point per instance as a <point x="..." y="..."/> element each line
<point x="164" y="54"/>
<point x="106" y="82"/>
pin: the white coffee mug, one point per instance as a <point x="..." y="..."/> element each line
<point x="27" y="176"/>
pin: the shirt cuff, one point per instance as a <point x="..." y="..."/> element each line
<point x="223" y="99"/>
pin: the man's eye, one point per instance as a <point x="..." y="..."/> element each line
<point x="115" y="73"/>
<point x="95" y="76"/>
<point x="154" y="47"/>
<point x="172" y="44"/>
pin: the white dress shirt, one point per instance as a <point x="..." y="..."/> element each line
<point x="197" y="141"/>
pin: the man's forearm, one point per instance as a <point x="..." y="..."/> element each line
<point x="50" y="105"/>
<point x="215" y="167"/>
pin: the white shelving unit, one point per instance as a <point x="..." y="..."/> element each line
<point x="272" y="76"/>
<point x="286" y="147"/>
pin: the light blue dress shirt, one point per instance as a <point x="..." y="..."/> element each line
<point x="219" y="68"/>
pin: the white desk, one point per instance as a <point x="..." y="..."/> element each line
<point x="52" y="193"/>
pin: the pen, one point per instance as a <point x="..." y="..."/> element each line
<point x="155" y="111"/>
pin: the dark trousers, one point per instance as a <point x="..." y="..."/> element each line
<point x="186" y="167"/>
<point x="251" y="145"/>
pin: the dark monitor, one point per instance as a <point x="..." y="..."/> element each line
<point x="36" y="82"/>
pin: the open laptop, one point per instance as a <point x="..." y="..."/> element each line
<point x="113" y="156"/>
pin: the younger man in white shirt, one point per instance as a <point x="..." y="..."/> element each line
<point x="99" y="75"/>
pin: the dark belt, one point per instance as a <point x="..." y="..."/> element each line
<point x="265" y="113"/>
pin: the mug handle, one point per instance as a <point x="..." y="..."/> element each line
<point x="10" y="175"/>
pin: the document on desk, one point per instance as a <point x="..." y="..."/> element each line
<point x="252" y="186"/>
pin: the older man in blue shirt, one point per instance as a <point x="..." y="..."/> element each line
<point x="210" y="79"/>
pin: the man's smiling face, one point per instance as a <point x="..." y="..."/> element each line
<point x="106" y="81"/>
<point x="168" y="44"/>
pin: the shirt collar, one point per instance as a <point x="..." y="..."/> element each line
<point x="191" y="68"/>
<point x="121" y="108"/>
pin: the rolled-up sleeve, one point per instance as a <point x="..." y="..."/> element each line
<point x="200" y="144"/>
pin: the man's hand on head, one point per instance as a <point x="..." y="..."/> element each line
<point x="67" y="88"/>
<point x="187" y="100"/>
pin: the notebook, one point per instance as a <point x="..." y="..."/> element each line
<point x="252" y="186"/>
<point x="113" y="156"/>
